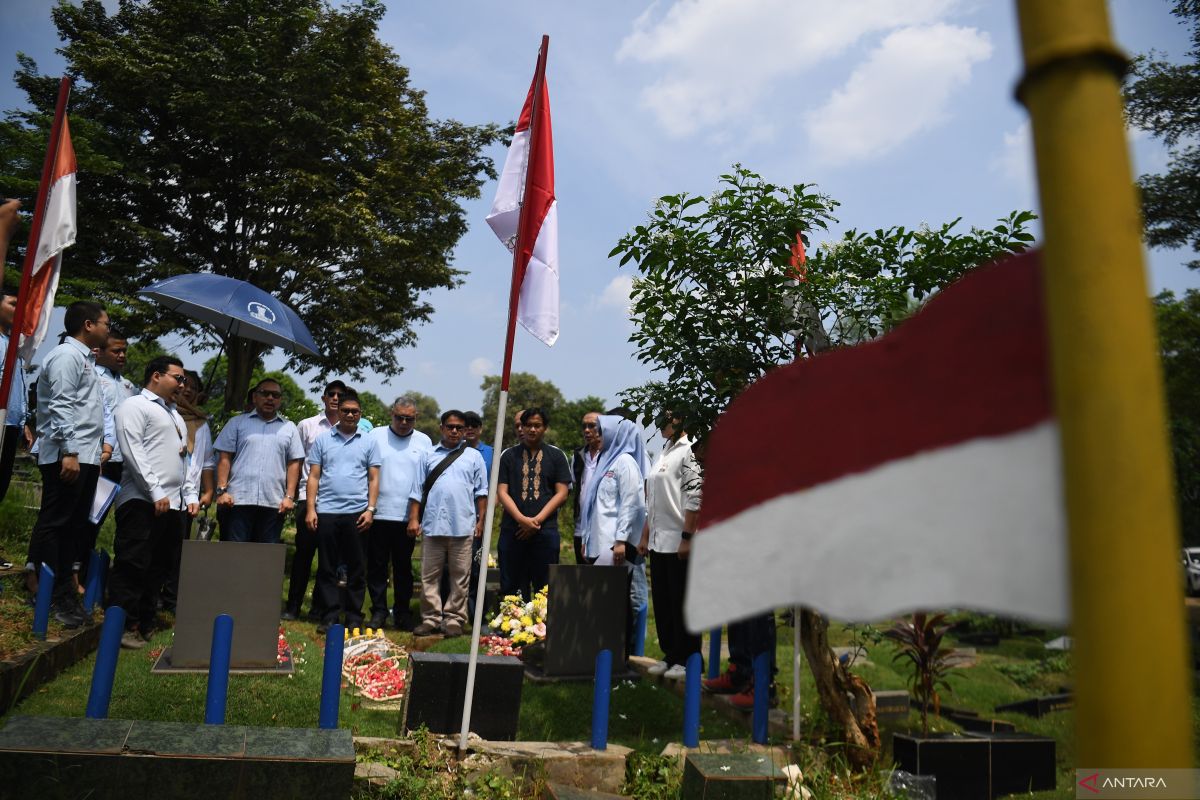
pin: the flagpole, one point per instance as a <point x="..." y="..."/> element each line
<point x="514" y="297"/>
<point x="35" y="234"/>
<point x="1132" y="676"/>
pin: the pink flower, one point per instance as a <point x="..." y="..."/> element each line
<point x="539" y="630"/>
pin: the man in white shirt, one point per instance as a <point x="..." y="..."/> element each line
<point x="389" y="547"/>
<point x="155" y="491"/>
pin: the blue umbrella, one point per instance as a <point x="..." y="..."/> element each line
<point x="234" y="307"/>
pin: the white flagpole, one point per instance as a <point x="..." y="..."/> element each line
<point x="481" y="589"/>
<point x="795" y="674"/>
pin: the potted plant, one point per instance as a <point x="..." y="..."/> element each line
<point x="920" y="641"/>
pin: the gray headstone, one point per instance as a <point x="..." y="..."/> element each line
<point x="241" y="579"/>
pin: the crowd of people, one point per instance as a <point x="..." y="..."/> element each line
<point x="361" y="498"/>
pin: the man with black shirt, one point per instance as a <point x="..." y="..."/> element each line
<point x="533" y="484"/>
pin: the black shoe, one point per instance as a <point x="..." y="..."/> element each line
<point x="378" y="620"/>
<point x="66" y="616"/>
<point x="289" y="616"/>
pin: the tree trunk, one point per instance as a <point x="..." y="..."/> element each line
<point x="243" y="356"/>
<point x="834" y="682"/>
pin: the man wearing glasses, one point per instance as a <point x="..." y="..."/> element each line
<point x="259" y="454"/>
<point x="584" y="467"/>
<point x="156" y="488"/>
<point x="343" y="489"/>
<point x="70" y="424"/>
<point x="389" y="547"/>
<point x="446" y="506"/>
<point x="306" y="540"/>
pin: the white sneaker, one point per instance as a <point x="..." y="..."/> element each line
<point x="676" y="673"/>
<point x="657" y="668"/>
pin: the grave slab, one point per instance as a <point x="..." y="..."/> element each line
<point x="744" y="776"/>
<point x="585" y="614"/>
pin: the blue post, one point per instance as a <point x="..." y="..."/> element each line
<point x="218" y="670"/>
<point x="762" y="695"/>
<point x="92" y="588"/>
<point x="331" y="677"/>
<point x="600" y="695"/>
<point x="106" y="662"/>
<point x="41" y="608"/>
<point x="639" y="631"/>
<point x="714" y="653"/>
<point x="691" y="702"/>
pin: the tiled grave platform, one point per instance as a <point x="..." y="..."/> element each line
<point x="48" y="757"/>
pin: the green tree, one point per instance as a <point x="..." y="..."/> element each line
<point x="715" y="307"/>
<point x="139" y="354"/>
<point x="1179" y="339"/>
<point x="1164" y="98"/>
<point x="374" y="410"/>
<point x="565" y="432"/>
<point x="274" y="141"/>
<point x="524" y="390"/>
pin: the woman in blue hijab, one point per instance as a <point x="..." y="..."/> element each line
<point x="613" y="508"/>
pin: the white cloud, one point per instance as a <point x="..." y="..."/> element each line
<point x="721" y="57"/>
<point x="903" y="88"/>
<point x="616" y="294"/>
<point x="1015" y="161"/>
<point x="480" y="367"/>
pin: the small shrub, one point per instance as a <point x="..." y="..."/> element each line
<point x="920" y="641"/>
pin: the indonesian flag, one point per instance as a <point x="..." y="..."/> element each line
<point x="920" y="470"/>
<point x="57" y="234"/>
<point x="529" y="169"/>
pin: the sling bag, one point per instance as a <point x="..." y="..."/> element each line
<point x="442" y="466"/>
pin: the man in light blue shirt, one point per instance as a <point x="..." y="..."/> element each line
<point x="18" y="398"/>
<point x="451" y="519"/>
<point x="389" y="546"/>
<point x="70" y="422"/>
<point x="258" y="467"/>
<point x="343" y="488"/>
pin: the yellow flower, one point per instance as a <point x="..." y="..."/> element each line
<point x="506" y="625"/>
<point x="527" y="621"/>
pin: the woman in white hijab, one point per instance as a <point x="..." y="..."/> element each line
<point x="613" y="509"/>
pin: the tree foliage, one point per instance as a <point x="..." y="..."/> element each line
<point x="566" y="431"/>
<point x="1164" y="98"/>
<point x="374" y="410"/>
<point x="1179" y="339"/>
<point x="715" y="306"/>
<point x="525" y="390"/>
<point x="274" y="141"/>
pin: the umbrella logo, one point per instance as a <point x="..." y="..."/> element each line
<point x="261" y="312"/>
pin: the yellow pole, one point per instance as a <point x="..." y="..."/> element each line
<point x="1133" y="702"/>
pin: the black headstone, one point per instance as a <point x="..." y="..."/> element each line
<point x="960" y="764"/>
<point x="1040" y="706"/>
<point x="241" y="579"/>
<point x="438" y="687"/>
<point x="586" y="613"/>
<point x="1022" y="763"/>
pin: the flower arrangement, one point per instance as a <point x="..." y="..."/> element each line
<point x="375" y="666"/>
<point x="519" y="623"/>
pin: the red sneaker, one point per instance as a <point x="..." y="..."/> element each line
<point x="728" y="682"/>
<point x="744" y="700"/>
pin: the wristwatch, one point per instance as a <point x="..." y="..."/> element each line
<point x="687" y="535"/>
<point x="222" y="490"/>
<point x="372" y="508"/>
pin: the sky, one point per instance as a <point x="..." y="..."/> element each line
<point x="903" y="112"/>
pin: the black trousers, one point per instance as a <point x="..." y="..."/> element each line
<point x="13" y="434"/>
<point x="143" y="547"/>
<point x="302" y="560"/>
<point x="666" y="592"/>
<point x="525" y="563"/>
<point x="170" y="587"/>
<point x="61" y="523"/>
<point x="390" y="549"/>
<point x="339" y="543"/>
<point x="748" y="638"/>
<point x="91" y="530"/>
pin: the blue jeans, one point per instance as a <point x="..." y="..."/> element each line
<point x="261" y="524"/>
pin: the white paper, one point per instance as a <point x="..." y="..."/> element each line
<point x="106" y="492"/>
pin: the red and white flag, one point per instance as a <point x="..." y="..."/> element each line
<point x="57" y="234"/>
<point x="528" y="181"/>
<point x="921" y="470"/>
